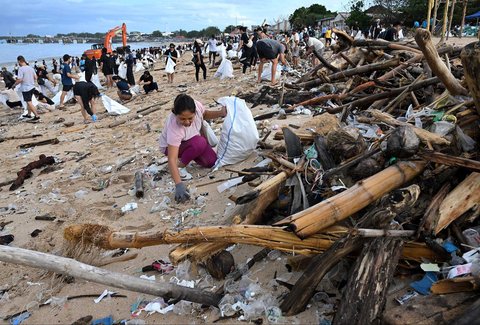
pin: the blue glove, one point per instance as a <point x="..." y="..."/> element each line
<point x="181" y="193"/>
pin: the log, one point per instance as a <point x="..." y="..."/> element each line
<point x="451" y="18"/>
<point x="424" y="41"/>
<point x="441" y="158"/>
<point x="464" y="197"/>
<point x="39" y="143"/>
<point x="70" y="267"/>
<point x="139" y="184"/>
<point x="464" y="284"/>
<point x="26" y="172"/>
<point x="382" y="44"/>
<point x="431" y="214"/>
<point x="445" y="18"/>
<point x="464" y="13"/>
<point x="424" y="135"/>
<point x="470" y="56"/>
<point x="346" y="203"/>
<point x="303" y="290"/>
<point x="471" y="315"/>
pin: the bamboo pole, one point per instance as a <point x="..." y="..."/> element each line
<point x="341" y="206"/>
<point x="444" y="24"/>
<point x="451" y="18"/>
<point x="71" y="267"/>
<point x="264" y="236"/>
<point x="435" y="11"/>
<point x="429" y="12"/>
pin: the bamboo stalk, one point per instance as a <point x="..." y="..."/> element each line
<point x="451" y="18"/>
<point x="445" y="17"/>
<point x="210" y="236"/>
<point x="341" y="206"/>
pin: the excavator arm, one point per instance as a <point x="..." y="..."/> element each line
<point x="113" y="32"/>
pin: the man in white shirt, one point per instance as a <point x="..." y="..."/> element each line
<point x="26" y="79"/>
<point x="314" y="46"/>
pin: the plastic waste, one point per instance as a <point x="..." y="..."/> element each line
<point x="113" y="107"/>
<point x="129" y="207"/>
<point x="466" y="142"/>
<point x="267" y="72"/>
<point x="170" y="66"/>
<point x="20" y="318"/>
<point x="225" y="70"/>
<point x="239" y="133"/>
<point x="162" y="205"/>
<point x="472" y="236"/>
<point x="273" y="313"/>
<point x="80" y="194"/>
<point x="210" y="134"/>
<point x="442" y="127"/>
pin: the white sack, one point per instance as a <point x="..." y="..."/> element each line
<point x="225" y="70"/>
<point x="113" y="107"/>
<point x="267" y="72"/>
<point x="170" y="66"/>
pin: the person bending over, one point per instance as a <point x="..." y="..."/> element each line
<point x="148" y="84"/>
<point x="123" y="86"/>
<point x="86" y="94"/>
<point x="182" y="142"/>
<point x="270" y="50"/>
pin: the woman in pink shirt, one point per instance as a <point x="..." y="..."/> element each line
<point x="182" y="142"/>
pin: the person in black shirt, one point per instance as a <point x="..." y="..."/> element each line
<point x="123" y="88"/>
<point x="148" y="83"/>
<point x="172" y="54"/>
<point x="392" y="33"/>
<point x="86" y="94"/>
<point x="90" y="66"/>
<point x="129" y="60"/>
<point x="198" y="59"/>
<point x="246" y="46"/>
<point x="7" y="78"/>
<point x="114" y="62"/>
<point x="107" y="67"/>
<point x="45" y="81"/>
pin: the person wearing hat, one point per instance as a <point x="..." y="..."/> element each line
<point x="314" y="46"/>
<point x="8" y="78"/>
<point x="270" y="50"/>
<point x="198" y="59"/>
<point x="45" y="81"/>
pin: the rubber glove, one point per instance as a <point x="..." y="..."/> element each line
<point x="181" y="193"/>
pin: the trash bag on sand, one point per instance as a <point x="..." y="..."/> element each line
<point x="239" y="133"/>
<point x="170" y="66"/>
<point x="225" y="70"/>
<point x="139" y="67"/>
<point x="267" y="72"/>
<point x="112" y="107"/>
<point x="68" y="96"/>
<point x="122" y="71"/>
<point x="96" y="82"/>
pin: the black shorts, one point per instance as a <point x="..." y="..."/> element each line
<point x="265" y="52"/>
<point x="67" y="88"/>
<point x="125" y="92"/>
<point x="14" y="104"/>
<point x="27" y="95"/>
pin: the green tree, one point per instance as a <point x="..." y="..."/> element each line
<point x="211" y="30"/>
<point x="180" y="32"/>
<point x="229" y="29"/>
<point x="358" y="17"/>
<point x="156" y="33"/>
<point x="303" y="17"/>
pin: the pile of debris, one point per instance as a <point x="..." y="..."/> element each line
<point x="387" y="185"/>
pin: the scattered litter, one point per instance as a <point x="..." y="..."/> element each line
<point x="129" y="207"/>
<point x="104" y="294"/>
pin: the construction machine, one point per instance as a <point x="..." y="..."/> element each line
<point x="96" y="50"/>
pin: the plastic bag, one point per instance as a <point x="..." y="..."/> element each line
<point x="122" y="71"/>
<point x="239" y="133"/>
<point x="56" y="98"/>
<point x="139" y="67"/>
<point x="170" y="66"/>
<point x="225" y="70"/>
<point x="231" y="54"/>
<point x="3" y="100"/>
<point x="267" y="72"/>
<point x="209" y="134"/>
<point x="466" y="142"/>
<point x="96" y="82"/>
<point x="112" y="107"/>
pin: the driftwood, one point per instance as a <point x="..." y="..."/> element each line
<point x="464" y="284"/>
<point x="471" y="315"/>
<point x="39" y="143"/>
<point x="424" y="41"/>
<point x="471" y="67"/>
<point x="303" y="290"/>
<point x="139" y="184"/>
<point x="343" y="205"/>
<point x="67" y="266"/>
<point x="26" y="172"/>
<point x="464" y="197"/>
<point x="448" y="160"/>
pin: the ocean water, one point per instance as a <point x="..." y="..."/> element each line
<point x="38" y="52"/>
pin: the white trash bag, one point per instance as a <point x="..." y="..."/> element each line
<point x="225" y="70"/>
<point x="122" y="70"/>
<point x="170" y="66"/>
<point x="3" y="100"/>
<point x="239" y="133"/>
<point x="139" y="67"/>
<point x="113" y="107"/>
<point x="96" y="81"/>
<point x="56" y="98"/>
<point x="209" y="134"/>
<point x="267" y="72"/>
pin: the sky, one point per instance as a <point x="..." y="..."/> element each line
<point x="49" y="17"/>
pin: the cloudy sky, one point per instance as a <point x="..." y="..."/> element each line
<point x="49" y="17"/>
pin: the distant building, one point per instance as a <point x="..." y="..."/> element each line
<point x="340" y="20"/>
<point x="282" y="25"/>
<point x="327" y="21"/>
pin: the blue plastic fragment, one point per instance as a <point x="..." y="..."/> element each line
<point x="449" y="247"/>
<point x="423" y="286"/>
<point x="103" y="321"/>
<point x="20" y="318"/>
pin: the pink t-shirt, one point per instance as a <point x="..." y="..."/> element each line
<point x="174" y="133"/>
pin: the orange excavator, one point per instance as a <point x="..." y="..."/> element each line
<point x="96" y="50"/>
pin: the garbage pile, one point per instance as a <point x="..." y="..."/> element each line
<point x="375" y="199"/>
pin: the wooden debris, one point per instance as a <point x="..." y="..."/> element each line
<point x="139" y="184"/>
<point x="39" y="143"/>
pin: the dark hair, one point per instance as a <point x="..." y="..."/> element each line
<point x="20" y="58"/>
<point x="243" y="28"/>
<point x="146" y="72"/>
<point x="213" y="36"/>
<point x="183" y="103"/>
<point x="117" y="78"/>
<point x="66" y="57"/>
<point x="171" y="44"/>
